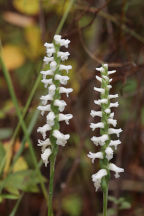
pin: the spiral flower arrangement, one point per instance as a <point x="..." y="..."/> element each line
<point x="52" y="102"/>
<point x="53" y="105"/>
<point x="107" y="128"/>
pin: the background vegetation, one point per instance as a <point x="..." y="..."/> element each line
<point x="100" y="31"/>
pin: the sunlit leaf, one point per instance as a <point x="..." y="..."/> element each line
<point x="33" y="38"/>
<point x="28" y="7"/>
<point x="20" y="165"/>
<point x="26" y="180"/>
<point x="72" y="205"/>
<point x="12" y="56"/>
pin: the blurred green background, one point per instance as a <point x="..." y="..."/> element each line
<point x="100" y="31"/>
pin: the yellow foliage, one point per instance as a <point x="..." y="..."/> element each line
<point x="12" y="56"/>
<point x="30" y="7"/>
<point x="33" y="38"/>
<point x="20" y="165"/>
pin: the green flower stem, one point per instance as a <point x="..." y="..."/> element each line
<point x="105" y="201"/>
<point x="14" y="99"/>
<point x="56" y="126"/>
<point x="104" y="163"/>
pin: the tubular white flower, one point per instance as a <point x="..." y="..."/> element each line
<point x="50" y="51"/>
<point x="61" y="138"/>
<point x="53" y="65"/>
<point x="115" y="169"/>
<point x="67" y="91"/>
<point x="107" y="145"/>
<point x="101" y="101"/>
<point x="97" y="177"/>
<point x="114" y="104"/>
<point x="44" y="143"/>
<point x="111" y="72"/>
<point x="50" y="118"/>
<point x="46" y="98"/>
<point x="94" y="113"/>
<point x="61" y="42"/>
<point x="48" y="59"/>
<point x="115" y="143"/>
<point x="93" y="156"/>
<point x="93" y="126"/>
<point x="112" y="122"/>
<point x="63" y="55"/>
<point x="99" y="78"/>
<point x="65" y="117"/>
<point x="100" y="140"/>
<point x="60" y="104"/>
<point x="46" y="82"/>
<point x="48" y="45"/>
<point x="113" y="96"/>
<point x="65" y="67"/>
<point x="101" y="90"/>
<point x="46" y="73"/>
<point x="63" y="79"/>
<point x="52" y="103"/>
<point x="109" y="153"/>
<point x="44" y="109"/>
<point x="45" y="156"/>
<point x="114" y="131"/>
<point x="43" y="130"/>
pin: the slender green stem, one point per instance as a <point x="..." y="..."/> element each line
<point x="51" y="182"/>
<point x="64" y="17"/>
<point x="14" y="99"/>
<point x="105" y="201"/>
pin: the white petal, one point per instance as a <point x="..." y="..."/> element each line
<point x="96" y="113"/>
<point x="67" y="91"/>
<point x="65" y="117"/>
<point x="101" y="90"/>
<point x="100" y="101"/>
<point x="46" y="82"/>
<point x="63" y="55"/>
<point x="43" y="109"/>
<point x="63" y="79"/>
<point x="49" y="45"/>
<point x="61" y="138"/>
<point x="111" y="72"/>
<point x="100" y="140"/>
<point x="53" y="65"/>
<point x="116" y="169"/>
<point x="43" y="130"/>
<point x="115" y="143"/>
<point x="65" y="67"/>
<point x="114" y="131"/>
<point x="46" y="73"/>
<point x="96" y="178"/>
<point x="48" y="59"/>
<point x="99" y="78"/>
<point x="112" y="122"/>
<point x="109" y="153"/>
<point x="44" y="143"/>
<point x="93" y="156"/>
<point x="93" y="126"/>
<point x="61" y="104"/>
<point x="114" y="104"/>
<point x="45" y="155"/>
<point x="50" y="118"/>
<point x="113" y="96"/>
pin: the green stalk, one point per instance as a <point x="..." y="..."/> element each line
<point x="104" y="162"/>
<point x="105" y="201"/>
<point x="14" y="99"/>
